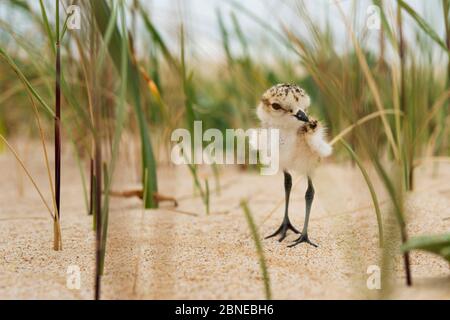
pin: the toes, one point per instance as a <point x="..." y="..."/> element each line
<point x="313" y="244"/>
<point x="271" y="236"/>
<point x="301" y="240"/>
<point x="283" y="230"/>
<point x="293" y="245"/>
<point x="296" y="242"/>
<point x="293" y="229"/>
<point x="274" y="234"/>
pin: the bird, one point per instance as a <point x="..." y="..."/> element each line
<point x="302" y="145"/>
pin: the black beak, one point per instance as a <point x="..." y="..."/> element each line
<point x="302" y="116"/>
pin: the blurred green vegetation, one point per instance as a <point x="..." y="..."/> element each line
<point x="400" y="85"/>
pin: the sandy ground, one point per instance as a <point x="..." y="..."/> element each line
<point x="185" y="254"/>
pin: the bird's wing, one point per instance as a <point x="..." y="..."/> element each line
<point x="317" y="142"/>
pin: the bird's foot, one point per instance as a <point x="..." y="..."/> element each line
<point x="303" y="238"/>
<point x="283" y="229"/>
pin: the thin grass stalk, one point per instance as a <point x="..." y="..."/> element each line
<point x="401" y="53"/>
<point x="225" y="38"/>
<point x="407" y="152"/>
<point x="158" y="39"/>
<point x="207" y="197"/>
<point x="269" y="27"/>
<point x="98" y="205"/>
<point x="58" y="118"/>
<point x="396" y="194"/>
<point x="119" y="124"/>
<point x="47" y="24"/>
<point x="89" y="78"/>
<point x="385" y="26"/>
<point x="446" y="10"/>
<point x="422" y="24"/>
<point x="361" y="121"/>
<point x="91" y="185"/>
<point x="102" y="15"/>
<point x="83" y="177"/>
<point x="105" y="217"/>
<point x="216" y="174"/>
<point x="98" y="174"/>
<point x="373" y="194"/>
<point x="187" y="86"/>
<point x="406" y="259"/>
<point x="396" y="104"/>
<point x="57" y="238"/>
<point x="141" y="231"/>
<point x="204" y="194"/>
<point x="30" y="177"/>
<point x="191" y="116"/>
<point x="64" y="29"/>
<point x="91" y="98"/>
<point x="382" y="44"/>
<point x="437" y="107"/>
<point x="259" y="249"/>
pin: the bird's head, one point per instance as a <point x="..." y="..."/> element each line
<point x="284" y="105"/>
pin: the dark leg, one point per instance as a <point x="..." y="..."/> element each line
<point x="309" y="197"/>
<point x="286" y="225"/>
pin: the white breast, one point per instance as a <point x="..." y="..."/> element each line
<point x="295" y="153"/>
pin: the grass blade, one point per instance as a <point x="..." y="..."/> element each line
<point x="259" y="249"/>
<point x="25" y="81"/>
<point x="371" y="189"/>
<point x="102" y="13"/>
<point x="48" y="29"/>
<point x="439" y="244"/>
<point x="58" y="117"/>
<point x="423" y="24"/>
<point x="120" y="121"/>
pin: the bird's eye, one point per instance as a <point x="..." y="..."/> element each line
<point x="276" y="106"/>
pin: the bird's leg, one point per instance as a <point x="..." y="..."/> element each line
<point x="309" y="197"/>
<point x="286" y="225"/>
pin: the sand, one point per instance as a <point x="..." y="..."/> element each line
<point x="184" y="254"/>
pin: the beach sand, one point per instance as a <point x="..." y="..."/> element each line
<point x="182" y="253"/>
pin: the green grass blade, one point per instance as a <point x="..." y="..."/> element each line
<point x="102" y="13"/>
<point x="268" y="27"/>
<point x="439" y="244"/>
<point x="21" y="4"/>
<point x="259" y="250"/>
<point x="64" y="29"/>
<point x="207" y="196"/>
<point x="47" y="27"/>
<point x="25" y="81"/>
<point x="385" y="23"/>
<point x="119" y="124"/>
<point x="423" y="24"/>
<point x="157" y="38"/>
<point x="224" y="36"/>
<point x="187" y="87"/>
<point x="371" y="189"/>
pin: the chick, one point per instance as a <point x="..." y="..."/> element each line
<point x="302" y="145"/>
